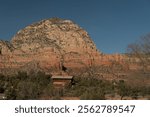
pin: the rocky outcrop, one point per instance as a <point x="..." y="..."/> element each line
<point x="62" y="35"/>
<point x="51" y="44"/>
<point x="5" y="47"/>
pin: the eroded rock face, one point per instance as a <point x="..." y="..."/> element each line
<point x="5" y="47"/>
<point x="62" y="35"/>
<point x="51" y="44"/>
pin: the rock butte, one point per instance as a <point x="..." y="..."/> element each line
<point x="50" y="44"/>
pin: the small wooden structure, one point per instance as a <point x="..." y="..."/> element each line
<point x="62" y="81"/>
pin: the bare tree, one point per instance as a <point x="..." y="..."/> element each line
<point x="141" y="50"/>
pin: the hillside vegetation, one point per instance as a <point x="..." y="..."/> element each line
<point x="39" y="86"/>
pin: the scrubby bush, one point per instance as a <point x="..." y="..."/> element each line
<point x="123" y="89"/>
<point x="93" y="94"/>
<point x="90" y="88"/>
<point x="27" y="90"/>
<point x="24" y="86"/>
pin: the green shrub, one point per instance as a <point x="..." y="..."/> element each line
<point x="93" y="94"/>
<point x="27" y="90"/>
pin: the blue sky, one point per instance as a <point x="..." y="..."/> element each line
<point x="112" y="24"/>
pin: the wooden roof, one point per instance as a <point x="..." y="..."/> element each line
<point x="62" y="77"/>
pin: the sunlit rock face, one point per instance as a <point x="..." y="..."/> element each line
<point x="48" y="45"/>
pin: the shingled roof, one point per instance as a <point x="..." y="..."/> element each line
<point x="62" y="77"/>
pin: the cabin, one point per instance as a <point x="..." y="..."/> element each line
<point x="62" y="81"/>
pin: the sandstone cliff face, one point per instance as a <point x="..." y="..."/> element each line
<point x="62" y="35"/>
<point x="50" y="43"/>
<point x="5" y="47"/>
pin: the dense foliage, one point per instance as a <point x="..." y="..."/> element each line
<point x="23" y="86"/>
<point x="39" y="86"/>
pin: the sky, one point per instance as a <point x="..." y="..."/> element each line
<point x="112" y="24"/>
